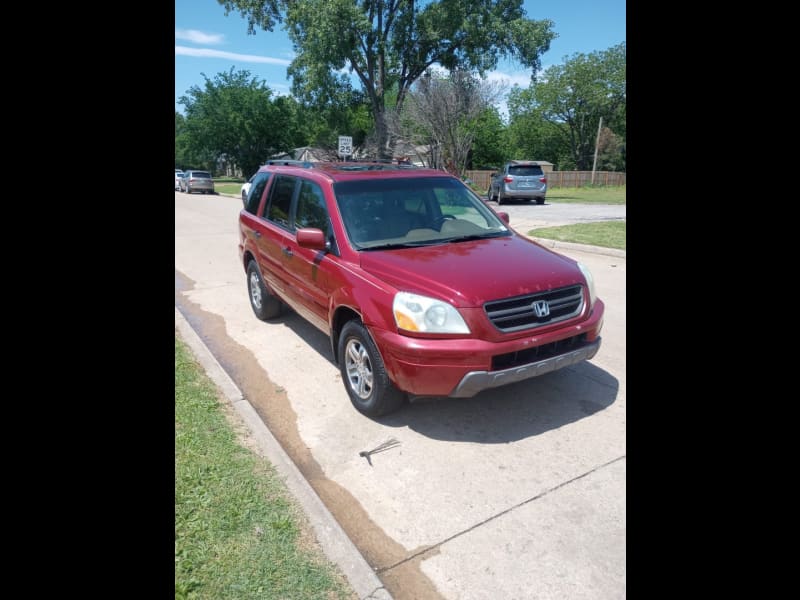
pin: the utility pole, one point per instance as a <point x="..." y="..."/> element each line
<point x="596" y="145"/>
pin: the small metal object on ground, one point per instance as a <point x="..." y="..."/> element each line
<point x="387" y="445"/>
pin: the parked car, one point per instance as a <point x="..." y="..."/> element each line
<point x="422" y="288"/>
<point x="197" y="181"/>
<point x="522" y="179"/>
<point x="178" y="175"/>
<point x="246" y="188"/>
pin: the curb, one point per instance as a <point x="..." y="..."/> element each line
<point x="334" y="541"/>
<point x="579" y="247"/>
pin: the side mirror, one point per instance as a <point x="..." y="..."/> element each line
<point x="504" y="216"/>
<point x="310" y="237"/>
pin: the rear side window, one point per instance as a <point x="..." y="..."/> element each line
<point x="259" y="182"/>
<point x="280" y="200"/>
<point x="525" y="170"/>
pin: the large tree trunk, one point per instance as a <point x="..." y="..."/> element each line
<point x="384" y="139"/>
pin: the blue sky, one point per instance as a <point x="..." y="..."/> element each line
<point x="206" y="41"/>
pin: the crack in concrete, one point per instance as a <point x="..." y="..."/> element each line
<point x="498" y="515"/>
<point x="372" y="596"/>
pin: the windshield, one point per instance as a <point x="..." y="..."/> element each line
<point x="412" y="212"/>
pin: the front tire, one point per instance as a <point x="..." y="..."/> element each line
<point x="264" y="304"/>
<point x="364" y="374"/>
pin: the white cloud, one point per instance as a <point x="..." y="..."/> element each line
<point x="210" y="53"/>
<point x="523" y="80"/>
<point x="198" y="37"/>
<point x="520" y="78"/>
<point x="280" y="89"/>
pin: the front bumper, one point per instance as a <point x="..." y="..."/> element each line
<point x="477" y="381"/>
<point x="463" y="367"/>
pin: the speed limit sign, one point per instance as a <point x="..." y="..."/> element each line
<point x="345" y="145"/>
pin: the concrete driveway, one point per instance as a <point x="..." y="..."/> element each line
<point x="517" y="493"/>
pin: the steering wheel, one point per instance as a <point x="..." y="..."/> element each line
<point x="439" y="221"/>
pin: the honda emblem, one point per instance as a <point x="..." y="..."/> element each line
<point x="541" y="308"/>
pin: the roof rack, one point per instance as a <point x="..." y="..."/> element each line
<point x="290" y="163"/>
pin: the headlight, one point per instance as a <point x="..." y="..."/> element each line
<point x="589" y="283"/>
<point x="413" y="312"/>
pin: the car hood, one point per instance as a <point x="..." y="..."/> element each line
<point x="467" y="274"/>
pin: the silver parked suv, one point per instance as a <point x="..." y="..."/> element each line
<point x="197" y="181"/>
<point x="523" y="179"/>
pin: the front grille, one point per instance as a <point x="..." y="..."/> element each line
<point x="530" y="355"/>
<point x="514" y="314"/>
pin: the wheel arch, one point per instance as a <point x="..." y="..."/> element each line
<point x="247" y="257"/>
<point x="342" y="315"/>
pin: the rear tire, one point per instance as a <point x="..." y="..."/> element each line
<point x="540" y="201"/>
<point x="264" y="304"/>
<point x="364" y="374"/>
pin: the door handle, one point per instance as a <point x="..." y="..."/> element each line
<point x="287" y="251"/>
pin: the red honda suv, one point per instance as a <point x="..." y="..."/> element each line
<point x="422" y="288"/>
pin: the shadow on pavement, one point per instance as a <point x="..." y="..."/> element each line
<point x="502" y="415"/>
<point x="513" y="412"/>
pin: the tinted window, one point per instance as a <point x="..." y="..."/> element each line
<point x="280" y="200"/>
<point x="259" y="182"/>
<point x="525" y="170"/>
<point x="311" y="210"/>
<point x="201" y="174"/>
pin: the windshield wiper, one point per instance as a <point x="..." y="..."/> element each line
<point x="474" y="236"/>
<point x="396" y="245"/>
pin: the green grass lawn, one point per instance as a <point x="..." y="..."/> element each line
<point x="238" y="533"/>
<point x="222" y="187"/>
<point x="608" y="234"/>
<point x="588" y="195"/>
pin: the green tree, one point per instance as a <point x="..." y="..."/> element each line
<point x="235" y="116"/>
<point x="490" y="147"/>
<point x="187" y="154"/>
<point x="610" y="151"/>
<point x="574" y="95"/>
<point x="389" y="44"/>
<point x="344" y="113"/>
<point x="532" y="137"/>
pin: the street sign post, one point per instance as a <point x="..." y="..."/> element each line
<point x="345" y="145"/>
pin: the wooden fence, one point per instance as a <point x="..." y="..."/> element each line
<point x="558" y="178"/>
